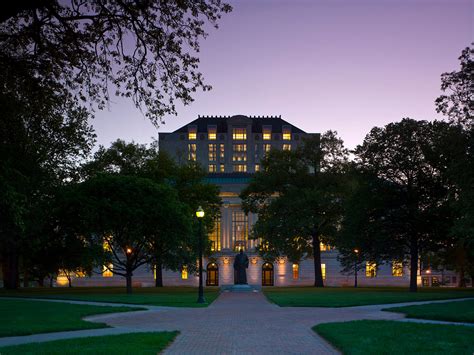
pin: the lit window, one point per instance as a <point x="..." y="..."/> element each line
<point x="370" y="269"/>
<point x="239" y="152"/>
<point x="257" y="167"/>
<point x="212" y="168"/>
<point x="239" y="229"/>
<point x="222" y="168"/>
<point x="192" y="152"/>
<point x="296" y="271"/>
<point x="324" y="247"/>
<point x="80" y="273"/>
<point x="215" y="236"/>
<point x="397" y="268"/>
<point x="192" y="133"/>
<point x="221" y="151"/>
<point x="108" y="270"/>
<point x="240" y="168"/>
<point x="286" y="133"/>
<point x="212" y="133"/>
<point x="106" y="244"/>
<point x="239" y="133"/>
<point x="323" y="271"/>
<point x="212" y="152"/>
<point x="286" y="146"/>
<point x="267" y="133"/>
<point x="184" y="272"/>
<point x="267" y="147"/>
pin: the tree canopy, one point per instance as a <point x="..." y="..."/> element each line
<point x="145" y="50"/>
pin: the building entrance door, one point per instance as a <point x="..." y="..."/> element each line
<point x="267" y="274"/>
<point x="212" y="275"/>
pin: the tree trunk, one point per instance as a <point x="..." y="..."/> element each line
<point x="159" y="273"/>
<point x="129" y="282"/>
<point x="462" y="278"/>
<point x="51" y="280"/>
<point x="11" y="274"/>
<point x="318" y="276"/>
<point x="413" y="264"/>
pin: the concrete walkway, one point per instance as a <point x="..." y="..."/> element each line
<point x="234" y="323"/>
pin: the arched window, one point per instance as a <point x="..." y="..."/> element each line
<point x="267" y="274"/>
<point x="212" y="275"/>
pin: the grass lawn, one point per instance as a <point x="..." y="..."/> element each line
<point x="163" y="296"/>
<point x="24" y="317"/>
<point x="462" y="311"/>
<point x="347" y="297"/>
<point x="136" y="343"/>
<point x="390" y="337"/>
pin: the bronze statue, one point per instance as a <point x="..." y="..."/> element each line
<point x="241" y="262"/>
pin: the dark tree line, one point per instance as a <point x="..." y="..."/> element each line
<point x="407" y="194"/>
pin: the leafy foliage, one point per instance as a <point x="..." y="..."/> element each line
<point x="145" y="49"/>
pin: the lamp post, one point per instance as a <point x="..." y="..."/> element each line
<point x="356" y="251"/>
<point x="200" y="215"/>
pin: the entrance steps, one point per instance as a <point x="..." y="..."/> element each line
<point x="239" y="288"/>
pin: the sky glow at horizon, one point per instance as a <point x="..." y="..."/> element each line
<point x="341" y="65"/>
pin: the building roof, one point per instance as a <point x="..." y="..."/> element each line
<point x="202" y="122"/>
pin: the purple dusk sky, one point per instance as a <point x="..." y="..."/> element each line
<point x="341" y="65"/>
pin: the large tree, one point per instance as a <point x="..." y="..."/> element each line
<point x="297" y="198"/>
<point x="171" y="247"/>
<point x="126" y="213"/>
<point x="43" y="135"/>
<point x="402" y="155"/>
<point x="146" y="50"/>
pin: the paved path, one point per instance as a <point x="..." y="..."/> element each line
<point x="235" y="323"/>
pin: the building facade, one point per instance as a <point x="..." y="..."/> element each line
<point x="231" y="149"/>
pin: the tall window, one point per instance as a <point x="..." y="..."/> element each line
<point x="267" y="147"/>
<point x="397" y="268"/>
<point x="192" y="152"/>
<point x="184" y="272"/>
<point x="296" y="271"/>
<point x="240" y="168"/>
<point x="239" y="229"/>
<point x="212" y="133"/>
<point x="370" y="269"/>
<point x="222" y="168"/>
<point x="239" y="152"/>
<point x="215" y="236"/>
<point x="212" y="152"/>
<point x="239" y="133"/>
<point x="212" y="168"/>
<point x="267" y="133"/>
<point x="257" y="167"/>
<point x="222" y="151"/>
<point x="286" y="146"/>
<point x="286" y="133"/>
<point x="323" y="271"/>
<point x="192" y="133"/>
<point x="108" y="270"/>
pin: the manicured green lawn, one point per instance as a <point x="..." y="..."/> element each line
<point x="347" y="297"/>
<point x="460" y="311"/>
<point x="164" y="296"/>
<point x="135" y="343"/>
<point x="24" y="317"/>
<point x="390" y="337"/>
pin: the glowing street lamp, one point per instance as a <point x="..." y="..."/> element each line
<point x="200" y="215"/>
<point x="356" y="251"/>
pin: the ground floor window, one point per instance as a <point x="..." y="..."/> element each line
<point x="296" y="271"/>
<point x="212" y="275"/>
<point x="370" y="269"/>
<point x="397" y="269"/>
<point x="425" y="281"/>
<point x="267" y="274"/>
<point x="323" y="271"/>
<point x="184" y="272"/>
<point x="108" y="270"/>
